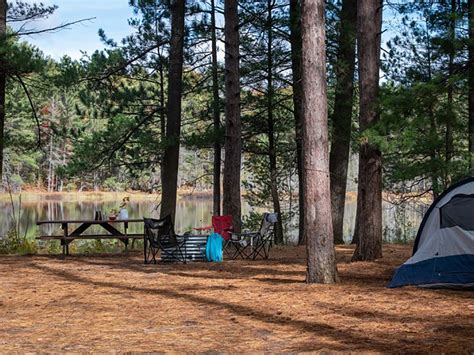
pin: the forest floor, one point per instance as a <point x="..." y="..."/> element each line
<point x="115" y="303"/>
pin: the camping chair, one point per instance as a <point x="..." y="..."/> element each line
<point x="222" y="225"/>
<point x="251" y="245"/>
<point x="160" y="237"/>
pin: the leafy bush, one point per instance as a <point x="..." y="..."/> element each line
<point x="16" y="182"/>
<point x="70" y="187"/>
<point x="111" y="184"/>
<point x="252" y="221"/>
<point x="13" y="244"/>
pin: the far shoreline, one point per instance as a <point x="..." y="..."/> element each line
<point x="38" y="195"/>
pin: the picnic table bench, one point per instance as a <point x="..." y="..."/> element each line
<point x="78" y="233"/>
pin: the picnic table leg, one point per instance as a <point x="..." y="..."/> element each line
<point x="125" y="228"/>
<point x="64" y="241"/>
<point x="144" y="246"/>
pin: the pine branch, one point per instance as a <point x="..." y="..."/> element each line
<point x="33" y="109"/>
<point x="125" y="139"/>
<point x="127" y="63"/>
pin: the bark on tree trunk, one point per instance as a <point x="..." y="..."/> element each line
<point x="271" y="129"/>
<point x="216" y="118"/>
<point x="355" y="236"/>
<point x="173" y="126"/>
<point x="471" y="84"/>
<point x="321" y="259"/>
<point x="369" y="197"/>
<point x="295" y="39"/>
<point x="162" y="114"/>
<point x="233" y="141"/>
<point x="450" y="117"/>
<point x="433" y="128"/>
<point x="342" y="117"/>
<point x="50" y="157"/>
<point x="3" y="80"/>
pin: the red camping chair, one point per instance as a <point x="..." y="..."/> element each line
<point x="222" y="225"/>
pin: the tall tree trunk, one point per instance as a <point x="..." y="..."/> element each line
<point x="162" y="113"/>
<point x="355" y="235"/>
<point x="369" y="197"/>
<point x="342" y="117"/>
<point x="271" y="129"/>
<point x="433" y="156"/>
<point x="295" y="39"/>
<point x="471" y="84"/>
<point x="233" y="129"/>
<point x="173" y="125"/>
<point x="64" y="142"/>
<point x="433" y="126"/>
<point x="3" y="80"/>
<point x="450" y="117"/>
<point x="317" y="195"/>
<point x="216" y="118"/>
<point x="51" y="157"/>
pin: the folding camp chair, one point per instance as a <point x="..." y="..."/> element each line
<point x="160" y="237"/>
<point x="263" y="242"/>
<point x="222" y="225"/>
<point x="251" y="245"/>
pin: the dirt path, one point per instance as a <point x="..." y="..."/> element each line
<point x="117" y="304"/>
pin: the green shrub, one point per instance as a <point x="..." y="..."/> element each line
<point x="252" y="221"/>
<point x="13" y="244"/>
<point x="111" y="184"/>
<point x="70" y="187"/>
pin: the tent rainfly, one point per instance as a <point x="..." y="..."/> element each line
<point x="443" y="254"/>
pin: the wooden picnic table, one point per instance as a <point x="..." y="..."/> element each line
<point x="78" y="233"/>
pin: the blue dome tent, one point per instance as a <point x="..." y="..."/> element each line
<point x="443" y="254"/>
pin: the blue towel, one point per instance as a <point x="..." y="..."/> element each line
<point x="214" y="247"/>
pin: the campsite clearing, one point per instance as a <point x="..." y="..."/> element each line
<point x="115" y="303"/>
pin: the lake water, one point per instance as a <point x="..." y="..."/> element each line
<point x="400" y="222"/>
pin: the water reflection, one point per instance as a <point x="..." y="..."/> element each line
<point x="400" y="222"/>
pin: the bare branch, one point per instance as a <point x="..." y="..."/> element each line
<point x="52" y="29"/>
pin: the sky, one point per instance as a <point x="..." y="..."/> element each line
<point x="110" y="15"/>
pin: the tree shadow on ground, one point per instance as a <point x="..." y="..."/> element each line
<point x="225" y="270"/>
<point x="318" y="329"/>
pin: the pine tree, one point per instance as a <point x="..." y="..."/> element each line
<point x="173" y="117"/>
<point x="317" y="196"/>
<point x="342" y="114"/>
<point x="233" y="139"/>
<point x="369" y="194"/>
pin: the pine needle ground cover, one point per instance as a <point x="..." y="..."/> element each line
<point x="117" y="304"/>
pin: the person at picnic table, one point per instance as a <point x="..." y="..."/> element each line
<point x="123" y="213"/>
